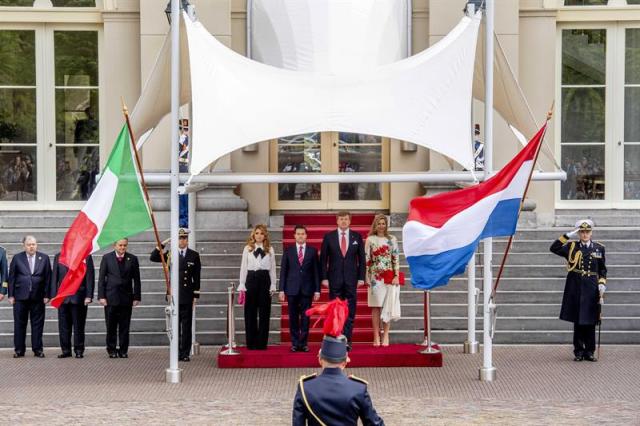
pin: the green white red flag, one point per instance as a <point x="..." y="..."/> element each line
<point x="117" y="209"/>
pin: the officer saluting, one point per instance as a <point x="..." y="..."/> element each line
<point x="189" y="283"/>
<point x="584" y="287"/>
<point x="333" y="398"/>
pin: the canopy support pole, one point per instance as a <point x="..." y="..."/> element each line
<point x="173" y="373"/>
<point x="488" y="372"/>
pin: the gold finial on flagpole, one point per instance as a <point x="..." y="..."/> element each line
<point x="550" y="112"/>
<point x="124" y="106"/>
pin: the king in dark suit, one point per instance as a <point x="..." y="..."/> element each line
<point x="29" y="290"/>
<point x="299" y="282"/>
<point x="119" y="290"/>
<point x="189" y="282"/>
<point x="72" y="313"/>
<point x="342" y="265"/>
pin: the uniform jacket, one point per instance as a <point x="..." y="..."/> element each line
<point x="25" y="286"/>
<point x="338" y="269"/>
<point x="119" y="286"/>
<point x="298" y="279"/>
<point x="335" y="399"/>
<point x="188" y="274"/>
<point x="587" y="269"/>
<point x="4" y="271"/>
<point x="59" y="271"/>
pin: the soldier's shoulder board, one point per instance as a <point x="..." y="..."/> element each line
<point x="358" y="379"/>
<point x="308" y="377"/>
<point x="598" y="244"/>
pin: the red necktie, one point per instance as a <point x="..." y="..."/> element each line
<point x="300" y="255"/>
<point x="343" y="244"/>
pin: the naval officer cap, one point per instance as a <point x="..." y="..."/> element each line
<point x="183" y="232"/>
<point x="584" y="225"/>
<point x="334" y="349"/>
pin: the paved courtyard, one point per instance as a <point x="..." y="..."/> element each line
<point x="536" y="385"/>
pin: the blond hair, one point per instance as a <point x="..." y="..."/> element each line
<point x="251" y="241"/>
<point x="374" y="225"/>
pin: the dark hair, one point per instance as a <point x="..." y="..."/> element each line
<point x="295" y="228"/>
<point x="343" y="213"/>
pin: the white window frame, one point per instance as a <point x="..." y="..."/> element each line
<point x="45" y="113"/>
<point x="614" y="116"/>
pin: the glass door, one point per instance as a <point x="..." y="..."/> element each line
<point x="329" y="152"/>
<point x="627" y="148"/>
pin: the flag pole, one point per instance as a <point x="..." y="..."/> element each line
<point x="132" y="139"/>
<point x="526" y="190"/>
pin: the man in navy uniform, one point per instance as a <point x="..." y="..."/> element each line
<point x="584" y="288"/>
<point x="72" y="313"/>
<point x="119" y="289"/>
<point x="299" y="282"/>
<point x="189" y="279"/>
<point x="333" y="398"/>
<point x="29" y="290"/>
<point x="342" y="266"/>
<point x="4" y="273"/>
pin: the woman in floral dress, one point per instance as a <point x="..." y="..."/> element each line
<point x="383" y="271"/>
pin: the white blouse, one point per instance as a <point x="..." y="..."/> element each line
<point x="253" y="263"/>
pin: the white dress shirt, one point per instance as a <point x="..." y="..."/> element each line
<point x="252" y="263"/>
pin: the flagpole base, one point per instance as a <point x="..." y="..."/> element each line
<point x="471" y="347"/>
<point x="195" y="348"/>
<point x="487" y="374"/>
<point x="429" y="350"/>
<point x="174" y="376"/>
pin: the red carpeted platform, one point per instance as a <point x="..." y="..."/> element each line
<point x="362" y="355"/>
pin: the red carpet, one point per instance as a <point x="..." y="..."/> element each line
<point x="362" y="355"/>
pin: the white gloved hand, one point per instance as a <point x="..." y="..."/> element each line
<point x="602" y="288"/>
<point x="573" y="233"/>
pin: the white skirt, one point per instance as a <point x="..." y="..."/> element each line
<point x="377" y="293"/>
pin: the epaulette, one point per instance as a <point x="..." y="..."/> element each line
<point x="598" y="243"/>
<point x="309" y="376"/>
<point x="358" y="379"/>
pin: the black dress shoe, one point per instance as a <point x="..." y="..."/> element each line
<point x="305" y="348"/>
<point x="38" y="354"/>
<point x="65" y="355"/>
<point x="79" y="355"/>
<point x="294" y="349"/>
<point x="18" y="355"/>
<point x="185" y="359"/>
<point x="113" y="355"/>
<point x="123" y="355"/>
<point x="590" y="357"/>
<point x="578" y="358"/>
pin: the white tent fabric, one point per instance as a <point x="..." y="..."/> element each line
<point x="328" y="36"/>
<point x="424" y="99"/>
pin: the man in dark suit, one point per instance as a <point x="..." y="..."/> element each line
<point x="119" y="290"/>
<point x="299" y="282"/>
<point x="29" y="290"/>
<point x="189" y="279"/>
<point x="72" y="313"/>
<point x="342" y="266"/>
<point x="4" y="273"/>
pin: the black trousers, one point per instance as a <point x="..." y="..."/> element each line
<point x="257" y="309"/>
<point x="298" y="321"/>
<point x="72" y="317"/>
<point x="348" y="293"/>
<point x="23" y="311"/>
<point x="185" y="316"/>
<point x="584" y="339"/>
<point x="118" y="320"/>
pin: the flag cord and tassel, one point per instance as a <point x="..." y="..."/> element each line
<point x="165" y="268"/>
<point x="526" y="190"/>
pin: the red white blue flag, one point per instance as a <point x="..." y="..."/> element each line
<point x="443" y="231"/>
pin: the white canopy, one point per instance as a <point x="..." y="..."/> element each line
<point x="328" y="36"/>
<point x="425" y="99"/>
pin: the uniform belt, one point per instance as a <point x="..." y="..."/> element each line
<point x="183" y="160"/>
<point x="581" y="272"/>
